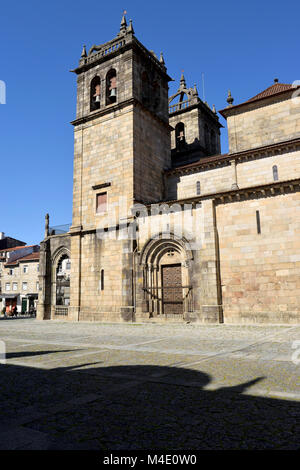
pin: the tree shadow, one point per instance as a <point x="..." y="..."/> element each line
<point x="138" y="407"/>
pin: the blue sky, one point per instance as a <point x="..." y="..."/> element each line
<point x="238" y="45"/>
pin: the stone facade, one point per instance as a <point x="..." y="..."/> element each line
<point x="164" y="226"/>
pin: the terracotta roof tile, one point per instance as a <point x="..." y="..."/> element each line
<point x="16" y="248"/>
<point x="271" y="90"/>
<point x="30" y="257"/>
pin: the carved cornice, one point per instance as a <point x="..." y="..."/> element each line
<point x="236" y="195"/>
<point x="245" y="155"/>
<point x="115" y="107"/>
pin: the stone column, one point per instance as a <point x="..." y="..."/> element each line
<point x="155" y="291"/>
<point x="234" y="175"/>
<point x="207" y="268"/>
<point x="75" y="277"/>
<point x="44" y="300"/>
<point x="127" y="307"/>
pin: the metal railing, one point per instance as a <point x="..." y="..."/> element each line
<point x="61" y="310"/>
<point x="59" y="229"/>
<point x="171" y="295"/>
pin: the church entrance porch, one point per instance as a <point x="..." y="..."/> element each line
<point x="167" y="291"/>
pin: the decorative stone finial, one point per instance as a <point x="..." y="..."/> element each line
<point x="276" y="80"/>
<point x="195" y="90"/>
<point x="130" y="27"/>
<point x="161" y="59"/>
<point x="182" y="81"/>
<point x="214" y="109"/>
<point x="46" y="225"/>
<point x="83" y="54"/>
<point x="123" y="26"/>
<point x="229" y="98"/>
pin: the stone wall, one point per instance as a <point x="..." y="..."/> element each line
<point x="260" y="171"/>
<point x="265" y="122"/>
<point x="252" y="172"/>
<point x="211" y="181"/>
<point x="151" y="149"/>
<point x="260" y="273"/>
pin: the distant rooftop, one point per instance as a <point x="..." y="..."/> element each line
<point x="31" y="257"/>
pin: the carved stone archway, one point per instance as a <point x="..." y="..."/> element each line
<point x="58" y="309"/>
<point x="166" y="263"/>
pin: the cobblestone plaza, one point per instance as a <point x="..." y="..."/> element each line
<point x="148" y="386"/>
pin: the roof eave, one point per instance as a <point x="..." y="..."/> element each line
<point x="226" y="111"/>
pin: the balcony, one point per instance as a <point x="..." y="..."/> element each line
<point x="179" y="106"/>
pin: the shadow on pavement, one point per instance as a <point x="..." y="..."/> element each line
<point x="137" y="407"/>
<point x="14" y="355"/>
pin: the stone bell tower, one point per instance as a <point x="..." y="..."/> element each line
<point x="122" y="146"/>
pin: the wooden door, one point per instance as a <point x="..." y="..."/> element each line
<point x="172" y="289"/>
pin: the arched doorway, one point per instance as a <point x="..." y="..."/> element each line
<point x="63" y="281"/>
<point x="61" y="274"/>
<point x="167" y="290"/>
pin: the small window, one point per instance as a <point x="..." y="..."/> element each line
<point x="258" y="222"/>
<point x="11" y="271"/>
<point x="68" y="265"/>
<point x="15" y="286"/>
<point x="102" y="279"/>
<point x="24" y="285"/>
<point x="25" y="269"/>
<point x="7" y="286"/>
<point x="101" y="203"/>
<point x="38" y="268"/>
<point x="275" y="173"/>
<point x="198" y="188"/>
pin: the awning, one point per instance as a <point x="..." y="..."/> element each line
<point x="8" y="296"/>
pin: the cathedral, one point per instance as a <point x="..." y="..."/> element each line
<point x="165" y="227"/>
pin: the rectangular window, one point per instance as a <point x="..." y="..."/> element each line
<point x="11" y="271"/>
<point x="101" y="203"/>
<point x="102" y="279"/>
<point x="15" y="286"/>
<point x="258" y="222"/>
<point x="7" y="286"/>
<point x="24" y="285"/>
<point x="25" y="269"/>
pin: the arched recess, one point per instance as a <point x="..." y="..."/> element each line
<point x="180" y="135"/>
<point x="95" y="93"/>
<point x="60" y="278"/>
<point x="166" y="263"/>
<point x="111" y="86"/>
